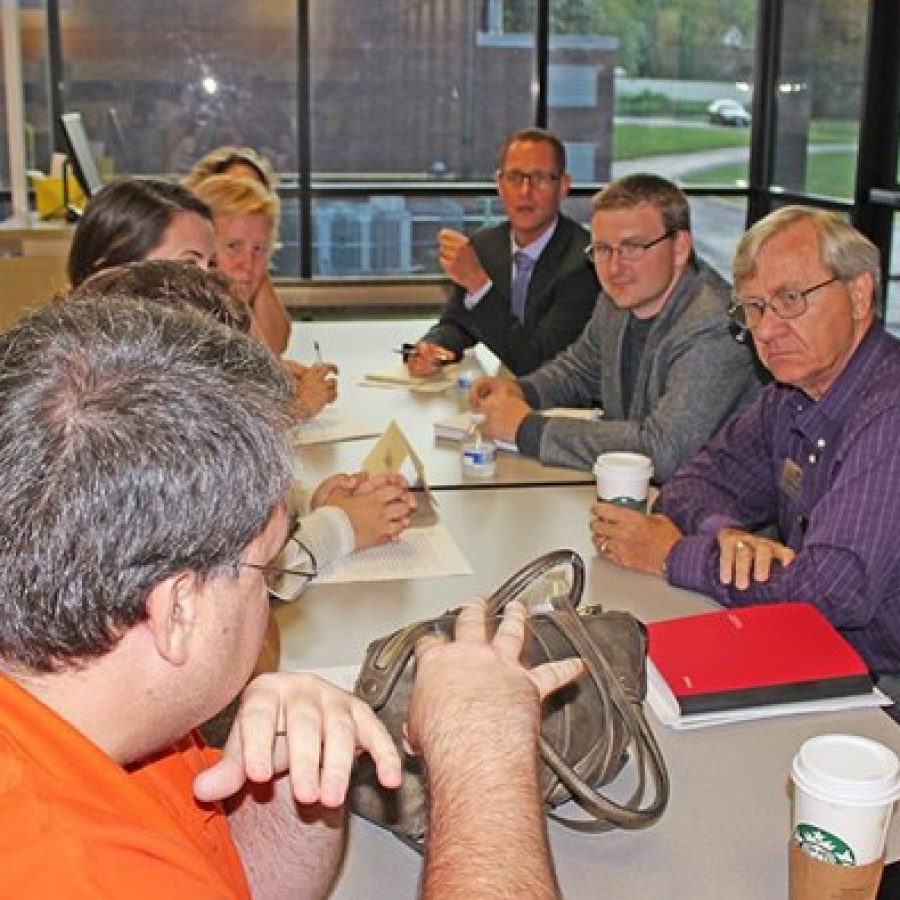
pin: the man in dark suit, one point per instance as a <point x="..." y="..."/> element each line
<point x="522" y="288"/>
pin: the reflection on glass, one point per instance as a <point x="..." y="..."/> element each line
<point x="892" y="305"/>
<point x="818" y="96"/>
<point x="660" y="87"/>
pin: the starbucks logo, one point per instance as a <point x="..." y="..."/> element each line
<point x="823" y="845"/>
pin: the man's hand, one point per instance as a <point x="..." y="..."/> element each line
<point x="742" y="554"/>
<point x="459" y="260"/>
<point x="487" y="387"/>
<point x="633" y="539"/>
<point x="503" y="416"/>
<point x="427" y="359"/>
<point x="379" y="507"/>
<point x="305" y="726"/>
<point x="449" y="698"/>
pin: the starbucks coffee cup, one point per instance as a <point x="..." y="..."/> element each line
<point x="845" y="788"/>
<point x="623" y="478"/>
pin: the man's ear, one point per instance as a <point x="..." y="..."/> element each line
<point x="171" y="616"/>
<point x="862" y="295"/>
<point x="684" y="246"/>
<point x="565" y="185"/>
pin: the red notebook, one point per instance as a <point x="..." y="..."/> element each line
<point x="755" y="655"/>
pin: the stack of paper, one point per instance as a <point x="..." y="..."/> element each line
<point x="458" y="427"/>
<point x="398" y="376"/>
<point x="751" y="663"/>
<point x="463" y="425"/>
<point x="329" y="426"/>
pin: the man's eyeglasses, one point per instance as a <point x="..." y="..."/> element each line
<point x="290" y="572"/>
<point x="515" y="178"/>
<point x="628" y="251"/>
<point x="786" y="304"/>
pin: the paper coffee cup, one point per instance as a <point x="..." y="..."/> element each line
<point x="845" y="788"/>
<point x="623" y="478"/>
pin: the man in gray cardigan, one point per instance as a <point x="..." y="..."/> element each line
<point x="657" y="355"/>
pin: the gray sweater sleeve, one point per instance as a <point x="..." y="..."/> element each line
<point x="707" y="376"/>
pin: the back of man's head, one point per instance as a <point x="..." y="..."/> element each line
<point x="644" y="187"/>
<point x="136" y="441"/>
<point x="174" y="283"/>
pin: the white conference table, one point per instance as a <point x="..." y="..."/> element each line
<point x="360" y="347"/>
<point x="725" y="832"/>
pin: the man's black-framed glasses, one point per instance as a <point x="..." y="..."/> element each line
<point x="539" y="180"/>
<point x="786" y="304"/>
<point x="290" y="572"/>
<point x="628" y="251"/>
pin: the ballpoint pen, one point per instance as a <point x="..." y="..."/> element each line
<point x="408" y="350"/>
<point x="318" y="350"/>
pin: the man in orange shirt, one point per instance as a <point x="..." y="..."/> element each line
<point x="145" y="465"/>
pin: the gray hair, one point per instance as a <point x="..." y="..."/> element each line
<point x="644" y="187"/>
<point x="842" y="248"/>
<point x="136" y="441"/>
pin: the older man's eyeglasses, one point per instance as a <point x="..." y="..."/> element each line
<point x="290" y="572"/>
<point x="515" y="178"/>
<point x="787" y="304"/>
<point x="628" y="251"/>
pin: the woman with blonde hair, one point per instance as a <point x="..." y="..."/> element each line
<point x="273" y="322"/>
<point x="245" y="218"/>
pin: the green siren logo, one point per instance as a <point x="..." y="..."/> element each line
<point x="823" y="845"/>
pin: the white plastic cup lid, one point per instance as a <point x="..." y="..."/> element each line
<point x="623" y="462"/>
<point x="846" y="768"/>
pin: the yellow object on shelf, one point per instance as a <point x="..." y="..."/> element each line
<point x="48" y="195"/>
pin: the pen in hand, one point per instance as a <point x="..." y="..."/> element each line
<point x="408" y="350"/>
<point x="318" y="350"/>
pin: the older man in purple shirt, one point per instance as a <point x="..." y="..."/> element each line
<point x="817" y="456"/>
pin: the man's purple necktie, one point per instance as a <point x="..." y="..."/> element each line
<point x="524" y="265"/>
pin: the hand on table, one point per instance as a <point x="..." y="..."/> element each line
<point x="459" y="260"/>
<point x="300" y="724"/>
<point x="449" y="696"/>
<point x="502" y="416"/>
<point x="492" y="386"/>
<point x="633" y="539"/>
<point x="742" y="554"/>
<point x="316" y="386"/>
<point x="427" y="359"/>
<point x="379" y="506"/>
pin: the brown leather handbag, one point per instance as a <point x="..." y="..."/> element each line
<point x="590" y="729"/>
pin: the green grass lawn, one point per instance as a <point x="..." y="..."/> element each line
<point x="829" y="174"/>
<point x="632" y="140"/>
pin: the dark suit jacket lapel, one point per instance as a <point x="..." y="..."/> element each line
<point x="493" y="250"/>
<point x="545" y="272"/>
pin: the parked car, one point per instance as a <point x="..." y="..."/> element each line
<point x="728" y="112"/>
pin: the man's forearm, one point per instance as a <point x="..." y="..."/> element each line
<point x="487" y="834"/>
<point x="287" y="850"/>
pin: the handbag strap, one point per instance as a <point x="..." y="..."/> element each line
<point x="650" y="764"/>
<point x="648" y="759"/>
<point x="388" y="656"/>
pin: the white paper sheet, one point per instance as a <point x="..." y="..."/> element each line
<point x="427" y="552"/>
<point x="398" y="377"/>
<point x="330" y="426"/>
<point x="665" y="707"/>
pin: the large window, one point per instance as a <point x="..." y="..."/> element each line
<point x="408" y="101"/>
<point x="818" y="96"/>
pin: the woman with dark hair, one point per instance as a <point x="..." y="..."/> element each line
<point x="136" y="219"/>
<point x="133" y="219"/>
